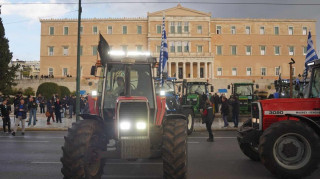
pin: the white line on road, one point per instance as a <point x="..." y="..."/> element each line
<point x="29" y="141"/>
<point x="150" y="163"/>
<point x="214" y="137"/>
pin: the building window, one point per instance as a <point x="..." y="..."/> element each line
<point x="109" y="30"/>
<point x="186" y="47"/>
<point x="262" y="50"/>
<point x="293" y="72"/>
<point x="291" y="50"/>
<point x="263" y="71"/>
<point x="50" y="71"/>
<point x="262" y="30"/>
<point x="124" y="48"/>
<point x="158" y="29"/>
<point x="219" y="72"/>
<point x="81" y="50"/>
<point x="94" y="50"/>
<point x="277" y="50"/>
<point x="199" y="48"/>
<point x="64" y="71"/>
<point x="124" y="30"/>
<point x="276" y="30"/>
<point x="304" y="30"/>
<point x="179" y="47"/>
<point x="139" y="48"/>
<point x="158" y="48"/>
<point x="81" y="30"/>
<point x="199" y="29"/>
<point x="95" y="30"/>
<point x="290" y="30"/>
<point x="139" y="29"/>
<point x="65" y="51"/>
<point x="234" y="71"/>
<point x="50" y="51"/>
<point x="277" y="71"/>
<point x="179" y="28"/>
<point x="233" y="29"/>
<point x="218" y="29"/>
<point x="248" y="50"/>
<point x="172" y="28"/>
<point x="233" y="50"/>
<point x="172" y="48"/>
<point x="186" y="27"/>
<point x="65" y="30"/>
<point x="248" y="30"/>
<point x="249" y="71"/>
<point x="201" y="72"/>
<point x="305" y="50"/>
<point x="51" y="30"/>
<point x="219" y="50"/>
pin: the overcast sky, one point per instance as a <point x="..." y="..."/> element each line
<point x="22" y="24"/>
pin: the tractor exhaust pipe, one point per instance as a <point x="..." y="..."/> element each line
<point x="127" y="86"/>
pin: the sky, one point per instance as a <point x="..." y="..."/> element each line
<point x="22" y="25"/>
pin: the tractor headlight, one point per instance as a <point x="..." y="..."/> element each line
<point x="194" y="99"/>
<point x="188" y="99"/>
<point x="256" y="120"/>
<point x="125" y="125"/>
<point x="162" y="93"/>
<point x="94" y="93"/>
<point x="141" y="125"/>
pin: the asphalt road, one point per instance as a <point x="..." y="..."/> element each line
<point x="37" y="156"/>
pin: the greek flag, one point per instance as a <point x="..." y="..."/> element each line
<point x="311" y="55"/>
<point x="163" y="52"/>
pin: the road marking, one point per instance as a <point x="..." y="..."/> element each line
<point x="193" y="142"/>
<point x="214" y="137"/>
<point x="14" y="141"/>
<point x="134" y="163"/>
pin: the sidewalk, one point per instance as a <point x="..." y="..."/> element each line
<point x="41" y="124"/>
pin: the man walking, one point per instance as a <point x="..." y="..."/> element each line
<point x="235" y="110"/>
<point x="5" y="111"/>
<point x="21" y="115"/>
<point x="225" y="111"/>
<point x="32" y="106"/>
<point x="208" y="116"/>
<point x="70" y="104"/>
<point x="57" y="108"/>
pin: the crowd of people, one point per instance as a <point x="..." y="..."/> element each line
<point x="26" y="108"/>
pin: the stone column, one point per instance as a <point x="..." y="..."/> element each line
<point x="177" y="70"/>
<point x="198" y="70"/>
<point x="210" y="70"/>
<point x="205" y="70"/>
<point x="184" y="70"/>
<point x="191" y="70"/>
<point x="169" y="69"/>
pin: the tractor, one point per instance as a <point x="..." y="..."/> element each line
<point x="173" y="105"/>
<point x="191" y="94"/>
<point x="284" y="134"/>
<point x="127" y="120"/>
<point x="245" y="93"/>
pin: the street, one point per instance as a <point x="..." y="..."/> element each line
<point x="37" y="155"/>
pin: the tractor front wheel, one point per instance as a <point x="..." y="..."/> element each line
<point x="190" y="120"/>
<point x="174" y="149"/>
<point x="79" y="159"/>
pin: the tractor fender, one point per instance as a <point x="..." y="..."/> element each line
<point x="90" y="116"/>
<point x="175" y="116"/>
<point x="308" y="121"/>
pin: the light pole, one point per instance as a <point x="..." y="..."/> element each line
<point x="78" y="64"/>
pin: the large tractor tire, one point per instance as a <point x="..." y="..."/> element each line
<point x="290" y="149"/>
<point x="190" y="120"/>
<point x="174" y="149"/>
<point x="78" y="160"/>
<point x="250" y="149"/>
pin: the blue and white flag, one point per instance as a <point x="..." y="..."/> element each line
<point x="311" y="55"/>
<point x="163" y="52"/>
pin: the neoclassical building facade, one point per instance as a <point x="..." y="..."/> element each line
<point x="201" y="47"/>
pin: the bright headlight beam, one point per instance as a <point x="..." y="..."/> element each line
<point x="162" y="93"/>
<point x="124" y="125"/>
<point x="94" y="93"/>
<point x="141" y="125"/>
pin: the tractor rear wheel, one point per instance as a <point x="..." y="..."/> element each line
<point x="190" y="120"/>
<point x="79" y="159"/>
<point x="290" y="149"/>
<point x="174" y="149"/>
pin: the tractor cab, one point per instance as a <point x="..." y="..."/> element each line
<point x="245" y="93"/>
<point x="312" y="89"/>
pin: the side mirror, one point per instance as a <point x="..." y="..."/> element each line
<point x="93" y="70"/>
<point x="257" y="86"/>
<point x="228" y="86"/>
<point x="212" y="89"/>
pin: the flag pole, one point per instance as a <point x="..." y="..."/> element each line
<point x="162" y="48"/>
<point x="78" y="64"/>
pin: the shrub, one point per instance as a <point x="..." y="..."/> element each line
<point x="64" y="91"/>
<point x="47" y="89"/>
<point x="73" y="93"/>
<point x="28" y="91"/>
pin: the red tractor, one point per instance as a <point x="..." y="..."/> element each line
<point x="285" y="133"/>
<point x="126" y="121"/>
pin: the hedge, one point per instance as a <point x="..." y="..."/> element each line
<point x="47" y="89"/>
<point x="64" y="91"/>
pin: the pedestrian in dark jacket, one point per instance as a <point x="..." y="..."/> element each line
<point x="216" y="102"/>
<point x="42" y="103"/>
<point x="32" y="106"/>
<point x="57" y="108"/>
<point x="71" y="105"/>
<point x="5" y="112"/>
<point x="235" y="110"/>
<point x="21" y="115"/>
<point x="50" y="109"/>
<point x="225" y="111"/>
<point x="208" y="116"/>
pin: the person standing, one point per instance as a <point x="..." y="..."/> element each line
<point x="5" y="111"/>
<point x="21" y="115"/>
<point x="32" y="106"/>
<point x="70" y="104"/>
<point x="50" y="109"/>
<point x="208" y="116"/>
<point x="225" y="111"/>
<point x="42" y="103"/>
<point x="235" y="110"/>
<point x="57" y="108"/>
<point x="216" y="102"/>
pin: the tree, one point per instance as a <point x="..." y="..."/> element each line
<point x="7" y="72"/>
<point x="28" y="91"/>
<point x="64" y="91"/>
<point x="47" y="89"/>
